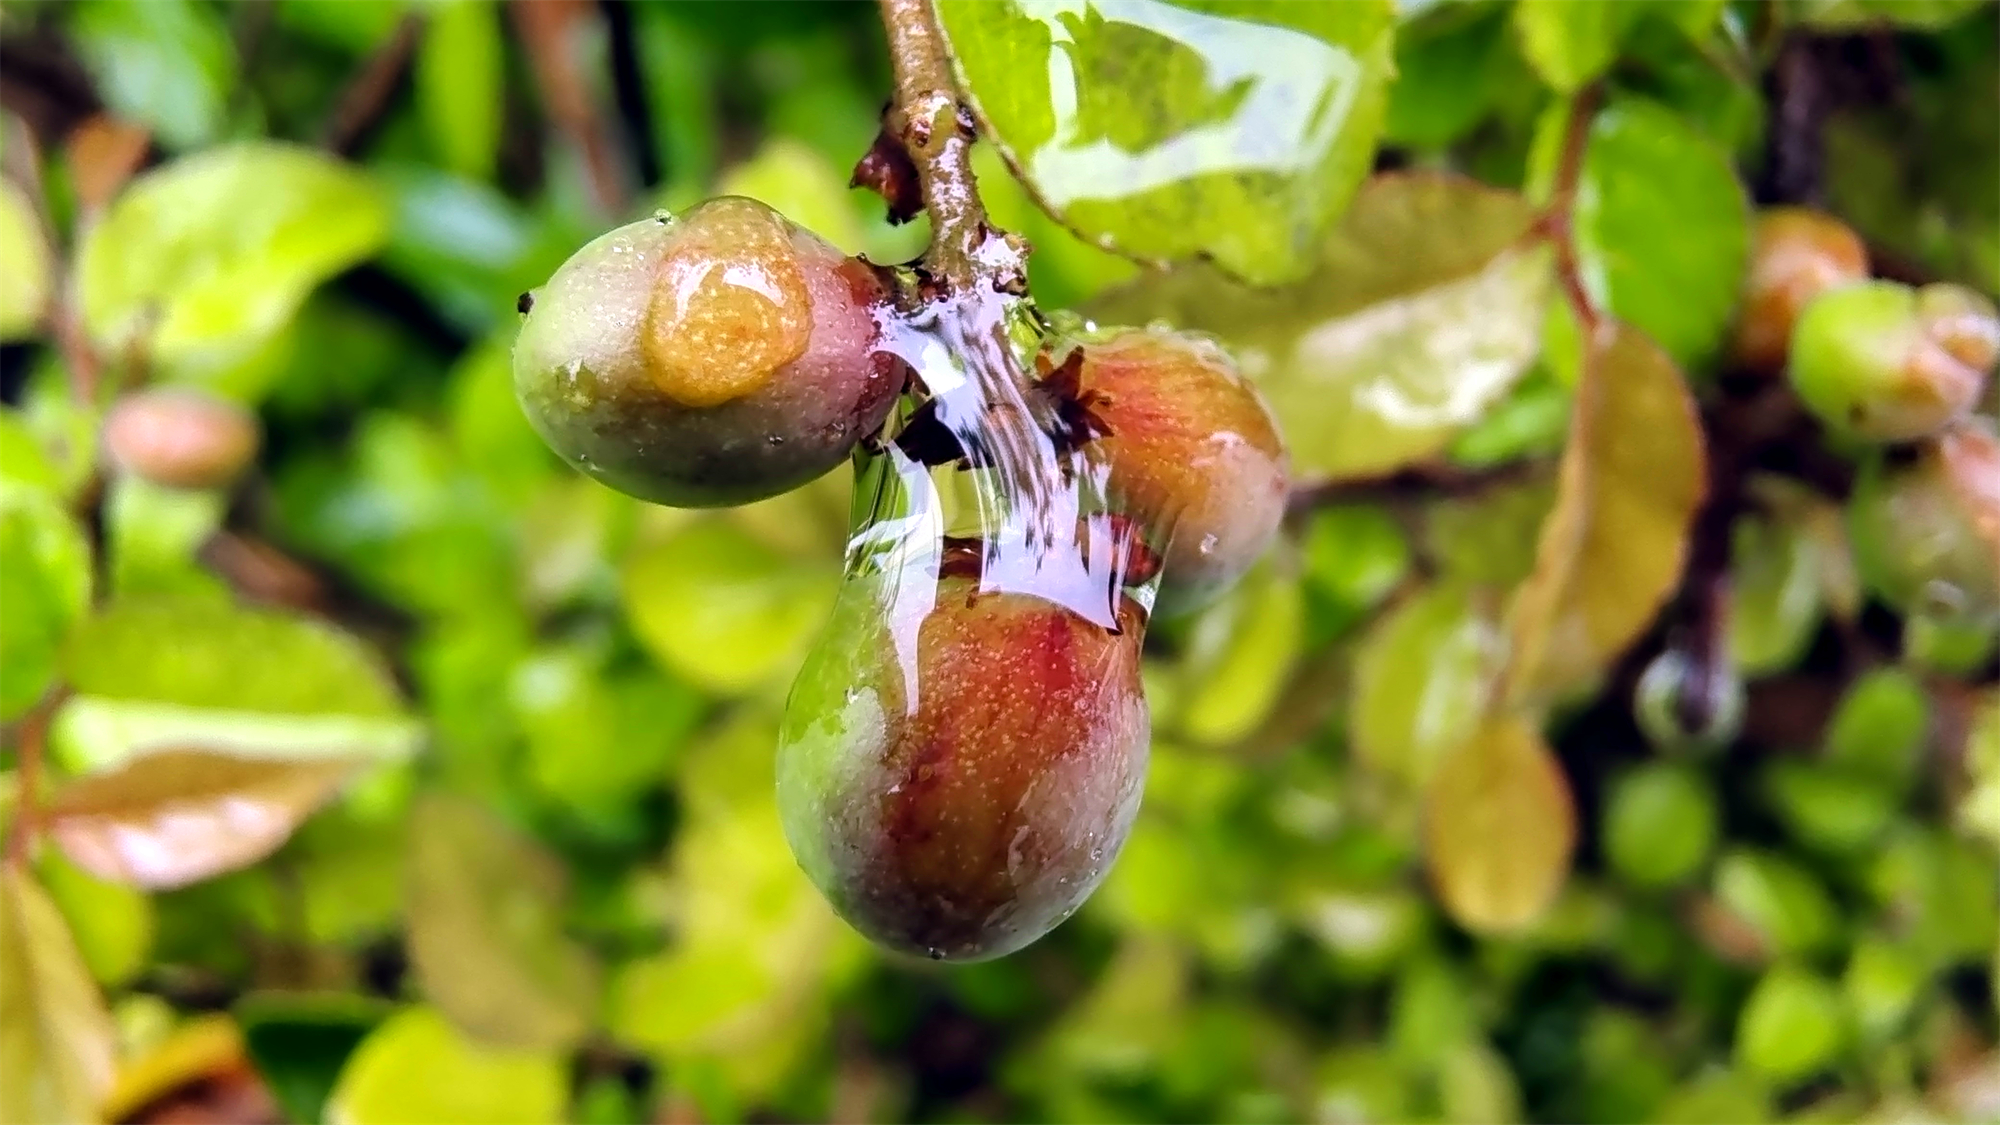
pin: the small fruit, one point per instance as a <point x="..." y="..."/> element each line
<point x="180" y="437"/>
<point x="957" y="777"/>
<point x="717" y="358"/>
<point x="1797" y="254"/>
<point x="1194" y="455"/>
<point x="1918" y="546"/>
<point x="1884" y="362"/>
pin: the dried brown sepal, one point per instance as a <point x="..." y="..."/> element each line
<point x="1077" y="413"/>
<point x="886" y="170"/>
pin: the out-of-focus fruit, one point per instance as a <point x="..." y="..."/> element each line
<point x="1917" y="546"/>
<point x="1796" y="255"/>
<point x="716" y="358"/>
<point x="180" y="437"/>
<point x="1883" y="362"/>
<point x="1660" y="825"/>
<point x="1194" y="454"/>
<point x="957" y="777"/>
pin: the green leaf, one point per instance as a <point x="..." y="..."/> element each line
<point x="1240" y="656"/>
<point x="597" y="735"/>
<point x="723" y="610"/>
<point x="153" y="533"/>
<point x="1426" y="306"/>
<point x="1234" y="131"/>
<point x="1421" y="678"/>
<point x="1879" y="729"/>
<point x="1792" y="1025"/>
<point x="1660" y="825"/>
<point x="112" y="924"/>
<point x="417" y="1067"/>
<point x="1941" y="893"/>
<point x="1610" y="552"/>
<point x="57" y="1044"/>
<point x="202" y="261"/>
<point x="1775" y="574"/>
<point x="1064" y="270"/>
<point x="1979" y="809"/>
<point x="300" y="1041"/>
<point x="1844" y="15"/>
<point x="45" y="587"/>
<point x="459" y="75"/>
<point x="1786" y="910"/>
<point x="167" y="64"/>
<point x="1570" y="42"/>
<point x="485" y="930"/>
<point x="1448" y="71"/>
<point x="1828" y="808"/>
<point x="1662" y="223"/>
<point x="201" y="673"/>
<point x="1499" y="827"/>
<point x="24" y="284"/>
<point x="177" y="816"/>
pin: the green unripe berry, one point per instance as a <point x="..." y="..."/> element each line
<point x="1660" y="825"/>
<point x="717" y="358"/>
<point x="1883" y="362"/>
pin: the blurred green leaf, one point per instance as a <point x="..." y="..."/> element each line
<point x="595" y="735"/>
<point x="1240" y="656"/>
<point x="1233" y="131"/>
<point x="300" y="1041"/>
<point x="459" y="74"/>
<point x="25" y="283"/>
<point x="721" y="609"/>
<point x="1499" y="827"/>
<point x="1426" y="306"/>
<point x="417" y="1067"/>
<point x="112" y="924"/>
<point x="1421" y="678"/>
<point x="485" y="930"/>
<point x="1570" y="42"/>
<point x="167" y="64"/>
<point x="174" y="816"/>
<point x="153" y="532"/>
<point x="57" y="1044"/>
<point x="1879" y="729"/>
<point x="1881" y="986"/>
<point x="1648" y="179"/>
<point x="1941" y="894"/>
<point x="200" y="673"/>
<point x="1979" y="809"/>
<point x="1449" y="69"/>
<point x="1775" y="579"/>
<point x="1792" y="1025"/>
<point x="1660" y="825"/>
<point x="1844" y="15"/>
<point x="199" y="263"/>
<point x="1828" y="808"/>
<point x="45" y="580"/>
<point x="1787" y="910"/>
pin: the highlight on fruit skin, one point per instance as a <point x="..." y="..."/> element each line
<point x="1194" y="455"/>
<point x="1796" y="254"/>
<point x="1917" y="544"/>
<point x="1884" y="362"/>
<point x="716" y="358"/>
<point x="957" y="777"/>
<point x="180" y="437"/>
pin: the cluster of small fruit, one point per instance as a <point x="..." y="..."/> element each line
<point x="1894" y="374"/>
<point x="963" y="753"/>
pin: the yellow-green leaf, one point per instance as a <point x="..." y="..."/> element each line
<point x="1421" y="679"/>
<point x="1611" y="551"/>
<point x="1499" y="827"/>
<point x="417" y="1067"/>
<point x="57" y="1045"/>
<point x="177" y="816"/>
<point x="485" y="930"/>
<point x="459" y="75"/>
<point x="1570" y="42"/>
<point x="24" y="264"/>
<point x="1240" y="656"/>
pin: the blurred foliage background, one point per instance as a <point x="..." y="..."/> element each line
<point x="414" y="777"/>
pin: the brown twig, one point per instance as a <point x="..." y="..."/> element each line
<point x="549" y="33"/>
<point x="1417" y="482"/>
<point x="1794" y="148"/>
<point x="1558" y="222"/>
<point x="30" y="746"/>
<point x="965" y="253"/>
<point x="366" y="98"/>
<point x="23" y="165"/>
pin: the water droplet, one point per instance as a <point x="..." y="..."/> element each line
<point x="774" y="439"/>
<point x="936" y="953"/>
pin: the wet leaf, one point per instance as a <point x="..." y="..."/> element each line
<point x="417" y="1067"/>
<point x="1499" y="827"/>
<point x="459" y="78"/>
<point x="1421" y="678"/>
<point x="723" y="610"/>
<point x="45" y="582"/>
<point x="1426" y="307"/>
<point x="205" y="259"/>
<point x="1649" y="179"/>
<point x="1570" y="42"/>
<point x="1234" y="131"/>
<point x="57" y="1045"/>
<point x="485" y="930"/>
<point x="201" y="673"/>
<point x="1611" y="551"/>
<point x="179" y="815"/>
<point x="24" y="284"/>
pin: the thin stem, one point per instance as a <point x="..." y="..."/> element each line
<point x="965" y="251"/>
<point x="1559" y="222"/>
<point x="30" y="741"/>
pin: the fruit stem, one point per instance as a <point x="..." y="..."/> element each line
<point x="965" y="253"/>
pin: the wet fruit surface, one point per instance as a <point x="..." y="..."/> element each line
<point x="1194" y="455"/>
<point x="716" y="358"/>
<point x="957" y="779"/>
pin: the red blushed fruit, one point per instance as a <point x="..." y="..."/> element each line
<point x="717" y="358"/>
<point x="1797" y="254"/>
<point x="1193" y="452"/>
<point x="956" y="779"/>
<point x="180" y="437"/>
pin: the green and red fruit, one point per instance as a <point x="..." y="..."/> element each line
<point x="957" y="778"/>
<point x="716" y="358"/>
<point x="1796" y="254"/>
<point x="180" y="437"/>
<point x="1919" y="540"/>
<point x="1194" y="455"/>
<point x="1883" y="362"/>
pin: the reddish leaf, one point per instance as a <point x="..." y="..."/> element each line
<point x="178" y="816"/>
<point x="1499" y="827"/>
